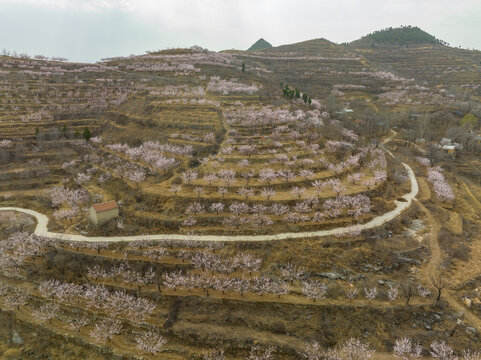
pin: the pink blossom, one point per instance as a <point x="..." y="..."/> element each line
<point x="268" y="193"/>
<point x="441" y="187"/>
<point x="406" y="350"/>
<point x="314" y="289"/>
<point x="226" y="87"/>
<point x="217" y="207"/>
<point x="150" y="341"/>
<point x="441" y="351"/>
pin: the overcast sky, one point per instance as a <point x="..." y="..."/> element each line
<point x="87" y="30"/>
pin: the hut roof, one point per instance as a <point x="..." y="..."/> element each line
<point x="105" y="206"/>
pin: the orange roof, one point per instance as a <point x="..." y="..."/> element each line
<point x="109" y="205"/>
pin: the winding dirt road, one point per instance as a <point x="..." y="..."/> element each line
<point x="434" y="270"/>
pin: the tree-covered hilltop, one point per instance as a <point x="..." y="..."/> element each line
<point x="405" y="35"/>
<point x="259" y="45"/>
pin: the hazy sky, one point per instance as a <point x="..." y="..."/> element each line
<point x="87" y="30"/>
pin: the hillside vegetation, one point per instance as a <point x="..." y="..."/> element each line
<point x="406" y="35"/>
<point x="285" y="139"/>
<point x="417" y="55"/>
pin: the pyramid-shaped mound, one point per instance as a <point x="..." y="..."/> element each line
<point x="259" y="45"/>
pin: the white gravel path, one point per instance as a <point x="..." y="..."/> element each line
<point x="401" y="206"/>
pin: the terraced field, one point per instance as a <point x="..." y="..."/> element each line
<point x="323" y="66"/>
<point x="188" y="143"/>
<point x="197" y="155"/>
<point x="245" y="280"/>
<point x="433" y="65"/>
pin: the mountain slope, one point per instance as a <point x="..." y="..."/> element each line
<point x="415" y="54"/>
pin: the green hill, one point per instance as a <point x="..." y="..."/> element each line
<point x="405" y="35"/>
<point x="259" y="45"/>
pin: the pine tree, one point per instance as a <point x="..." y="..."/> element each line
<point x="87" y="134"/>
<point x="304" y="97"/>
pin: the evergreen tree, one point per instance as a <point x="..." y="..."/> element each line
<point x="304" y="97"/>
<point x="298" y="94"/>
<point x="243" y="67"/>
<point x="87" y="134"/>
<point x="37" y="132"/>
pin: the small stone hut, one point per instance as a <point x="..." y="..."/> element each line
<point x="103" y="212"/>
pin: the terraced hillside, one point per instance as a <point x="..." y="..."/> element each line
<point x="316" y="67"/>
<point x="185" y="150"/>
<point x="190" y="297"/>
<point x="187" y="141"/>
<point x="427" y="62"/>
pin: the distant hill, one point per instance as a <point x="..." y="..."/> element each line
<point x="259" y="45"/>
<point x="405" y="35"/>
<point x="314" y="47"/>
<point x="414" y="54"/>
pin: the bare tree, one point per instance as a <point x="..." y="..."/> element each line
<point x="439" y="284"/>
<point x="408" y="291"/>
